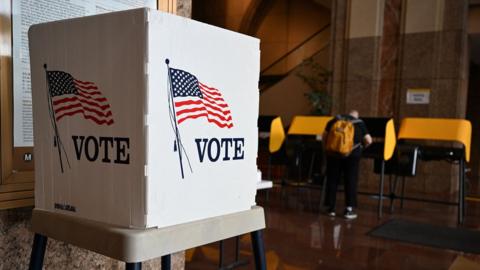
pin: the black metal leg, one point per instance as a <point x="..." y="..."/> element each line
<point x="299" y="166"/>
<point x="403" y="192"/>
<point x="380" y="192"/>
<point x="237" y="248"/>
<point x="464" y="185"/>
<point x="310" y="169"/>
<point x="393" y="189"/>
<point x="258" y="250"/>
<point x="461" y="190"/>
<point x="38" y="252"/>
<point x="309" y="195"/>
<point x="284" y="184"/>
<point x="322" y="196"/>
<point x="221" y="247"/>
<point x="166" y="262"/>
<point x="269" y="175"/>
<point x="134" y="266"/>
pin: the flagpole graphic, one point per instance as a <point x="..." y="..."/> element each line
<point x="68" y="96"/>
<point x="191" y="99"/>
<point x="57" y="142"/>
<point x="177" y="135"/>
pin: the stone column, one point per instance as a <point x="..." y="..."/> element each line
<point x="180" y="7"/>
<point x="433" y="55"/>
<point x="357" y="30"/>
<point x="389" y="54"/>
<point x="382" y="48"/>
<point x="337" y="53"/>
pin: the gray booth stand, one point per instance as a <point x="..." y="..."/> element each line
<point x="136" y="245"/>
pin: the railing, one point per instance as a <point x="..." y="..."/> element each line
<point x="302" y="51"/>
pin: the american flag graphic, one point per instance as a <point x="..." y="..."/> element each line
<point x="194" y="99"/>
<point x="71" y="96"/>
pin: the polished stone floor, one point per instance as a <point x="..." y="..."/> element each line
<point x="298" y="237"/>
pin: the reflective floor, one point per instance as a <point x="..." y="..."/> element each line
<point x="298" y="236"/>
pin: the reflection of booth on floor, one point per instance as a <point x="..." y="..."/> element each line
<point x="450" y="130"/>
<point x="304" y="149"/>
<point x="381" y="150"/>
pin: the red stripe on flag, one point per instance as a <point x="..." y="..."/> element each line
<point x="88" y="101"/>
<point x="212" y="106"/>
<point x="101" y="99"/>
<point x="87" y="116"/>
<point x="99" y="113"/>
<point x="56" y="102"/>
<point x="223" y="105"/>
<point x="194" y="116"/>
<point x="191" y="110"/>
<point x="180" y="112"/>
<point x="85" y="87"/>
<point x="83" y="82"/>
<point x="207" y="87"/>
<point x="188" y="102"/>
<point x="218" y="123"/>
<point x="90" y="93"/>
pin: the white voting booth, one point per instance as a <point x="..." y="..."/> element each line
<point x="143" y="119"/>
<point x="145" y="129"/>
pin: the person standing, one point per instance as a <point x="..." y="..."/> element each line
<point x="345" y="164"/>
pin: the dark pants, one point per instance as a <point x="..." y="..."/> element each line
<point x="349" y="168"/>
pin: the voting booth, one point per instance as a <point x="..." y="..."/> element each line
<point x="143" y="119"/>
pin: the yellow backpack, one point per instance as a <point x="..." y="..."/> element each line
<point x="340" y="137"/>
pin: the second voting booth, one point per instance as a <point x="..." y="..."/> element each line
<point x="144" y="119"/>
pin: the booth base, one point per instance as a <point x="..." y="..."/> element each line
<point x="136" y="245"/>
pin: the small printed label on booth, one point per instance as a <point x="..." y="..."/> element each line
<point x="418" y="96"/>
<point x="66" y="207"/>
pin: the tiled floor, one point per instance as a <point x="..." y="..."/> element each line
<point x="298" y="237"/>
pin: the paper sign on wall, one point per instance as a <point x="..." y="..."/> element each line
<point x="27" y="13"/>
<point x="418" y="96"/>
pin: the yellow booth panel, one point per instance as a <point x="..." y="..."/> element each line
<point x="459" y="130"/>
<point x="277" y="135"/>
<point x="308" y="125"/>
<point x="390" y="140"/>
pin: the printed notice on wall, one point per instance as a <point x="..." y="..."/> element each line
<point x="28" y="12"/>
<point x="418" y="96"/>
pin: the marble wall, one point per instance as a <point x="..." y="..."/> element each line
<point x="408" y="44"/>
<point x="389" y="57"/>
<point x="356" y="54"/>
<point x="418" y="46"/>
<point x="436" y="58"/>
<point x="184" y="8"/>
<point x="338" y="42"/>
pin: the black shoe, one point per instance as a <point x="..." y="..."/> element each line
<point x="349" y="214"/>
